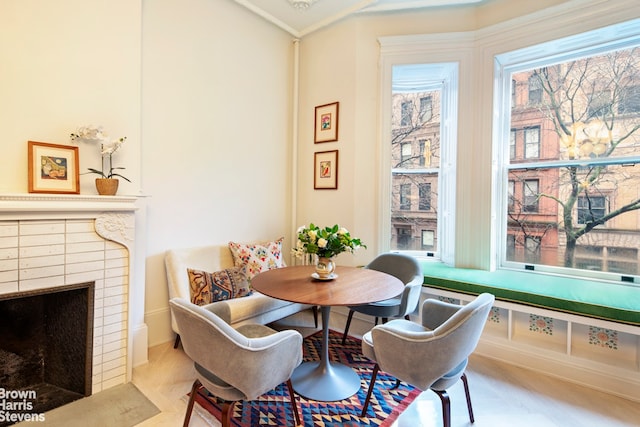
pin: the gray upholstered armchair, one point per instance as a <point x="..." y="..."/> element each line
<point x="406" y="269"/>
<point x="235" y="364"/>
<point x="433" y="355"/>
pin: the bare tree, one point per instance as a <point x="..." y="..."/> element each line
<point x="593" y="104"/>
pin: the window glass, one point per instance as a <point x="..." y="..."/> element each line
<point x="419" y="131"/>
<point x="571" y="178"/>
<point x="415" y="162"/>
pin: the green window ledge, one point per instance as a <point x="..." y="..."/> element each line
<point x="602" y="300"/>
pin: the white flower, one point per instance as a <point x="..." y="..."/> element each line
<point x="94" y="134"/>
<point x="312" y="235"/>
<point x="113" y="146"/>
<point x="89" y="133"/>
<point x="322" y="243"/>
<point x="343" y="230"/>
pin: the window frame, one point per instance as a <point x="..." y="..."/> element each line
<point x="617" y="36"/>
<point x="444" y="68"/>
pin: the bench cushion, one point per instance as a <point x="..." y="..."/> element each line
<point x="612" y="301"/>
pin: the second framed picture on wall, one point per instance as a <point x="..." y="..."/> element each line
<point x="325" y="170"/>
<point x="326" y="123"/>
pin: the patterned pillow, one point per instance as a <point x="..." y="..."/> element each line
<point x="205" y="288"/>
<point x="254" y="258"/>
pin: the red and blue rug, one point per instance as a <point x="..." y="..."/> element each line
<point x="274" y="408"/>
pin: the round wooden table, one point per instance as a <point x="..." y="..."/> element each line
<point x="324" y="380"/>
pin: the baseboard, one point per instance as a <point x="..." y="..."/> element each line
<point x="618" y="382"/>
<point x="159" y="324"/>
<point x="140" y="345"/>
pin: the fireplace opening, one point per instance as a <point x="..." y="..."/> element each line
<point x="46" y="349"/>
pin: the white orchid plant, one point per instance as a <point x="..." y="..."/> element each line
<point x="325" y="242"/>
<point x="95" y="135"/>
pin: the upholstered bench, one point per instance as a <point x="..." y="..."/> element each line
<point x="617" y="302"/>
<point x="254" y="308"/>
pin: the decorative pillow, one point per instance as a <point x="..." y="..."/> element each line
<point x="205" y="288"/>
<point x="255" y="258"/>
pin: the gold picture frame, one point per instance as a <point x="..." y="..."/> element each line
<point x="325" y="170"/>
<point x="53" y="168"/>
<point x="326" y="123"/>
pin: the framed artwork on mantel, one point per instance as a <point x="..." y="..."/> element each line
<point x="325" y="170"/>
<point x="53" y="168"/>
<point x="326" y="123"/>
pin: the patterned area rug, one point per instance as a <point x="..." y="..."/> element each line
<point x="274" y="408"/>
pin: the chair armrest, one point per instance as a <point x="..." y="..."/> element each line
<point x="410" y="355"/>
<point x="435" y="312"/>
<point x="410" y="296"/>
<point x="264" y="362"/>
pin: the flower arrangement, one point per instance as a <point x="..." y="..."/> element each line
<point x="325" y="242"/>
<point x="94" y="134"/>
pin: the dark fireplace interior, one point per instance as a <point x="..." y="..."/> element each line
<point x="46" y="346"/>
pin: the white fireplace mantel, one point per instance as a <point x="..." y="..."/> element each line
<point x="27" y="206"/>
<point x="113" y="219"/>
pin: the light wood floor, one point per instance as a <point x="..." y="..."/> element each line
<point x="503" y="396"/>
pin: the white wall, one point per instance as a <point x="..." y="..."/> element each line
<point x="216" y="127"/>
<point x="64" y="64"/>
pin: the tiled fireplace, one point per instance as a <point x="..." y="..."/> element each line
<point x="50" y="242"/>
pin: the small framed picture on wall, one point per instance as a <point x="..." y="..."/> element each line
<point x="326" y="123"/>
<point x="53" y="168"/>
<point x="325" y="170"/>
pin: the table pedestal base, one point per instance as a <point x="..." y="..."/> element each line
<point x="325" y="382"/>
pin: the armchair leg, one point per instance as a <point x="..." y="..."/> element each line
<point x="466" y="392"/>
<point x="192" y="399"/>
<point x="372" y="384"/>
<point x="226" y="413"/>
<point x="177" y="341"/>
<point x="292" y="396"/>
<point x="446" y="407"/>
<point x="346" y="327"/>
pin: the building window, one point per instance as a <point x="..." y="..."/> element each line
<point x="532" y="142"/>
<point x="511" y="194"/>
<point x="532" y="249"/>
<point x="405" y="152"/>
<point x="426" y="108"/>
<point x="425" y="196"/>
<point x="535" y="89"/>
<point x="629" y="102"/>
<point x="428" y="240"/>
<point x="403" y="239"/>
<point x="530" y="192"/>
<point x="591" y="208"/>
<point x="405" y="197"/>
<point x="569" y="202"/>
<point x="407" y="113"/>
<point x="599" y="104"/>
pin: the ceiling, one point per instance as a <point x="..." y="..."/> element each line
<point x="325" y="12"/>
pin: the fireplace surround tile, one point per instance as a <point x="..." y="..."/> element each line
<point x="37" y="254"/>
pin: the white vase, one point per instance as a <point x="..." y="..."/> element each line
<point x="325" y="267"/>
